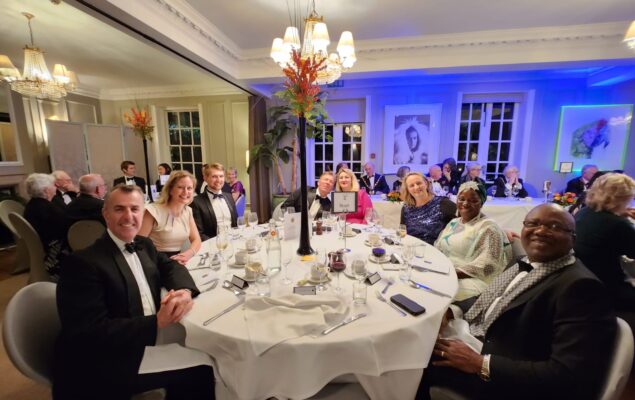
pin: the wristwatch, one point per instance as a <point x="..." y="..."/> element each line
<point x="484" y="373"/>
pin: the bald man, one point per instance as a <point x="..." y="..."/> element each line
<point x="88" y="204"/>
<point x="545" y="326"/>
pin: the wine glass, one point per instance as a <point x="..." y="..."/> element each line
<point x="241" y="224"/>
<point x="494" y="191"/>
<point x="515" y="190"/>
<point x="287" y="256"/>
<point x="321" y="268"/>
<point x="253" y="219"/>
<point x="337" y="262"/>
<point x="407" y="252"/>
<point x="341" y="224"/>
<point x="358" y="267"/>
<point x="508" y="191"/>
<point x="402" y="231"/>
<point x="368" y="217"/>
<point x="222" y="241"/>
<point x="376" y="220"/>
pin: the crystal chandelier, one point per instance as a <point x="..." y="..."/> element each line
<point x="316" y="41"/>
<point x="629" y="38"/>
<point x="36" y="80"/>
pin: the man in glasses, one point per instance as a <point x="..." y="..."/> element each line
<point x="543" y="329"/>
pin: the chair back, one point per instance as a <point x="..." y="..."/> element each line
<point x="29" y="330"/>
<point x="34" y="247"/>
<point x="84" y="233"/>
<point x="277" y="212"/>
<point x="6" y="207"/>
<point x="240" y="205"/>
<point x="621" y="363"/>
<point x="517" y="249"/>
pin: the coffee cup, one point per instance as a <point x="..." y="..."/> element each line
<point x="241" y="257"/>
<point x="374" y="239"/>
<point x="318" y="271"/>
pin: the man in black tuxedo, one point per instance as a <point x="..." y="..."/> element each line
<point x="129" y="169"/>
<point x="318" y="199"/>
<point x="109" y="304"/>
<point x="88" y="205"/>
<point x="372" y="182"/>
<point x="214" y="207"/>
<point x="66" y="190"/>
<point x="581" y="184"/>
<point x="546" y="325"/>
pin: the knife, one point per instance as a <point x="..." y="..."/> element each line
<point x="345" y="322"/>
<point x="213" y="282"/>
<point x="240" y="301"/>
<point x="424" y="269"/>
<point x="427" y="288"/>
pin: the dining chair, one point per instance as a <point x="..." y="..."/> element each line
<point x="22" y="256"/>
<point x="621" y="363"/>
<point x="34" y="247"/>
<point x="240" y="205"/>
<point x="84" y="233"/>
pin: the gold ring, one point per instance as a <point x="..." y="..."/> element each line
<point x="442" y="354"/>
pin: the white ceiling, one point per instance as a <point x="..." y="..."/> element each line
<point x="105" y="59"/>
<point x="254" y="23"/>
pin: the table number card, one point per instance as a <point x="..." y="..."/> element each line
<point x="291" y="226"/>
<point x="344" y="202"/>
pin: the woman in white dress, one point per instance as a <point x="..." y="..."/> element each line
<point x="169" y="222"/>
<point x="476" y="245"/>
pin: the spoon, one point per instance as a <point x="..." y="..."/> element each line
<point x="213" y="282"/>
<point x="382" y="298"/>
<point x="229" y="286"/>
<point x="389" y="281"/>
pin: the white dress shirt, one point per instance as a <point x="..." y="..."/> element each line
<point x="221" y="209"/>
<point x="315" y="206"/>
<point x="137" y="271"/>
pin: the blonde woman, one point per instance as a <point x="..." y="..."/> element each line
<point x="346" y="182"/>
<point x="604" y="234"/>
<point x="169" y="222"/>
<point x="423" y="213"/>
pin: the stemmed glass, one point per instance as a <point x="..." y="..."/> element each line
<point x="253" y="220"/>
<point x="287" y="256"/>
<point x="358" y="267"/>
<point x="241" y="224"/>
<point x="337" y="261"/>
<point x="508" y="192"/>
<point x="402" y="231"/>
<point x="494" y="191"/>
<point x="321" y="268"/>
<point x="407" y="253"/>
<point x="376" y="219"/>
<point x="515" y="191"/>
<point x="341" y="224"/>
<point x="222" y="241"/>
<point x="369" y="218"/>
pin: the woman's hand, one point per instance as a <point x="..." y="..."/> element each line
<point x="184" y="257"/>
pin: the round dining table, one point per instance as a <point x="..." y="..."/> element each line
<point x="384" y="351"/>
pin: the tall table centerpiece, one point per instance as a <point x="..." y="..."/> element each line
<point x="140" y="122"/>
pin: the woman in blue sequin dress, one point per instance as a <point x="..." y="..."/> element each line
<point x="424" y="214"/>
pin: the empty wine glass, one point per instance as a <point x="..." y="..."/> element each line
<point x="341" y="224"/>
<point x="222" y="241"/>
<point x="241" y="224"/>
<point x="287" y="256"/>
<point x="407" y="252"/>
<point x="253" y="219"/>
<point x="377" y="220"/>
<point x="368" y="217"/>
<point x="358" y="267"/>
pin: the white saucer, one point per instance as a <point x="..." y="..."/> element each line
<point x="367" y="243"/>
<point x="317" y="281"/>
<point x="383" y="260"/>
<point x="234" y="265"/>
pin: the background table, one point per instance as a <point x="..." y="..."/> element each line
<point x="385" y="352"/>
<point x="508" y="213"/>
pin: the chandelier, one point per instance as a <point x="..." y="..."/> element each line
<point x="629" y="38"/>
<point x="36" y="80"/>
<point x="316" y="41"/>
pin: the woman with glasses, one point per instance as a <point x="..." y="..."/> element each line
<point x="476" y="245"/>
<point x="346" y="182"/>
<point x="169" y="223"/>
<point x="423" y="213"/>
<point x="604" y="234"/>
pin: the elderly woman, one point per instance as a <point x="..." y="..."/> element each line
<point x="236" y="185"/>
<point x="423" y="213"/>
<point x="401" y="173"/>
<point x="509" y="183"/>
<point x="169" y="222"/>
<point x="472" y="173"/>
<point x="346" y="182"/>
<point x="477" y="247"/>
<point x="48" y="219"/>
<point x="604" y="234"/>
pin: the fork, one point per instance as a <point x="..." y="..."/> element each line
<point x="382" y="298"/>
<point x="389" y="281"/>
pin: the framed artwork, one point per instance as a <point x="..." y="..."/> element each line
<point x="566" y="167"/>
<point x="594" y="135"/>
<point x="411" y="136"/>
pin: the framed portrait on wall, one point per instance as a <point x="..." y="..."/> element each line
<point x="595" y="134"/>
<point x="411" y="136"/>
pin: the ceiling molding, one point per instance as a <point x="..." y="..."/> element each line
<point x="162" y="92"/>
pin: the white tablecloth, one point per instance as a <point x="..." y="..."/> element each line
<point x="509" y="214"/>
<point x="386" y="352"/>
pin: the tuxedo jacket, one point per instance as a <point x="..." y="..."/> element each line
<point x="137" y="180"/>
<point x="204" y="216"/>
<point x="575" y="185"/>
<point x="104" y="331"/>
<point x="48" y="219"/>
<point x="295" y="201"/>
<point x="85" y="207"/>
<point x="500" y="187"/>
<point x="554" y="341"/>
<point x="381" y="186"/>
<point x="59" y="199"/>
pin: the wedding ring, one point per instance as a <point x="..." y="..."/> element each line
<point x="442" y="354"/>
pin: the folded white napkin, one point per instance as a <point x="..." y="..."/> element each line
<point x="459" y="329"/>
<point x="419" y="262"/>
<point x="274" y="320"/>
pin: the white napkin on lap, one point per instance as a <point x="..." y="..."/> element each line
<point x="459" y="329"/>
<point x="274" y="320"/>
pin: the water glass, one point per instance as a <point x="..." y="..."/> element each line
<point x="263" y="286"/>
<point x="253" y="219"/>
<point x="420" y="251"/>
<point x="407" y="253"/>
<point x="358" y="267"/>
<point x="359" y="293"/>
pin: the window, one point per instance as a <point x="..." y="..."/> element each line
<point x="486" y="136"/>
<point x="337" y="143"/>
<point x="185" y="144"/>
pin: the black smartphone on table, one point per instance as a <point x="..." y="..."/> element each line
<point x="408" y="305"/>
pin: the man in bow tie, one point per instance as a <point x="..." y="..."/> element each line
<point x="214" y="207"/>
<point x="544" y="328"/>
<point x="109" y="304"/>
<point x="318" y="198"/>
<point x="129" y="170"/>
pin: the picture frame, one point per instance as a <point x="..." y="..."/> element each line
<point x="565" y="167"/>
<point x="411" y="136"/>
<point x="593" y="134"/>
<point x="343" y="202"/>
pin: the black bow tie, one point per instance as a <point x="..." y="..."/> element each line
<point x="132" y="247"/>
<point x="214" y="195"/>
<point x="523" y="266"/>
<point x="325" y="202"/>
